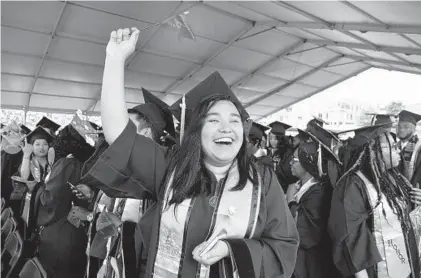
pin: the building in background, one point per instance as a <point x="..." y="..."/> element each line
<point x="338" y="114"/>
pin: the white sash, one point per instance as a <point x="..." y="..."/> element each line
<point x="236" y="213"/>
<point x="389" y="237"/>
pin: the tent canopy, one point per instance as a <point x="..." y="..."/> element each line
<point x="273" y="54"/>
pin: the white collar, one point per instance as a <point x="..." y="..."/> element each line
<point x="304" y="188"/>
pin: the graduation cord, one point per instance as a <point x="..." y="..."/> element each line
<point x="88" y="246"/>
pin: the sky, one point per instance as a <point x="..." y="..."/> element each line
<point x="373" y="87"/>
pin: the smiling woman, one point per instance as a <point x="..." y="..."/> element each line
<point x="213" y="202"/>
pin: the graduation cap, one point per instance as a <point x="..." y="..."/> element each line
<point x="326" y="140"/>
<point x="317" y="121"/>
<point x="363" y="135"/>
<point x="95" y="126"/>
<point x="26" y="130"/>
<point x="379" y="118"/>
<point x="278" y="128"/>
<point x="410" y="117"/>
<point x="156" y="112"/>
<point x="257" y="131"/>
<point x="162" y="118"/>
<point x="47" y="123"/>
<point x="322" y="134"/>
<point x="39" y="133"/>
<point x="302" y="135"/>
<point x="213" y="85"/>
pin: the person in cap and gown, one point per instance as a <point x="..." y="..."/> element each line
<point x="255" y="138"/>
<point x="281" y="151"/>
<point x="410" y="146"/>
<point x="331" y="164"/>
<point x="369" y="221"/>
<point x="62" y="242"/>
<point x="309" y="201"/>
<point x="153" y="120"/>
<point x="34" y="170"/>
<point x="215" y="213"/>
<point x="379" y="119"/>
<point x="49" y="125"/>
<point x="11" y="159"/>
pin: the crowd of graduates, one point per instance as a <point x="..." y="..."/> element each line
<point x="216" y="195"/>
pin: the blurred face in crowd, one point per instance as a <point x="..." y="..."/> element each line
<point x="263" y="143"/>
<point x="390" y="151"/>
<point x="405" y="130"/>
<point x="144" y="128"/>
<point x="222" y="133"/>
<point x="297" y="169"/>
<point x="273" y="140"/>
<point x="295" y="141"/>
<point x="40" y="147"/>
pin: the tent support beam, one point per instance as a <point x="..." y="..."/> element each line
<point x="53" y="33"/>
<point x="361" y="27"/>
<point x="283" y="53"/>
<point x="312" y="94"/>
<point x="44" y="110"/>
<point x="391" y="68"/>
<point x="205" y="63"/>
<point x="284" y="86"/>
<point x="379" y="60"/>
<point x="386" y="49"/>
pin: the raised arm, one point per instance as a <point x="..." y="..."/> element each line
<point x="24" y="169"/>
<point x="113" y="103"/>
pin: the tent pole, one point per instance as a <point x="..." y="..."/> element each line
<point x="25" y="112"/>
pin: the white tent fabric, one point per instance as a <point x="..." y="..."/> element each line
<point x="272" y="54"/>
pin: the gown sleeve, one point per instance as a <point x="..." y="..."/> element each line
<point x="354" y="246"/>
<point x="273" y="254"/>
<point x="313" y="211"/>
<point x="133" y="164"/>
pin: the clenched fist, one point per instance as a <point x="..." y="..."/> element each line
<point x="122" y="43"/>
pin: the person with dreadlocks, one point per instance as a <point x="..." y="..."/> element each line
<point x="369" y="222"/>
<point x="309" y="201"/>
<point x="216" y="213"/>
<point x="410" y="146"/>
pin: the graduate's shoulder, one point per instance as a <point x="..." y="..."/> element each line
<point x="266" y="174"/>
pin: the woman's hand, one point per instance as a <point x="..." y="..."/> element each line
<point x="122" y="43"/>
<point x="83" y="192"/>
<point x="416" y="196"/>
<point x="218" y="252"/>
<point x="27" y="149"/>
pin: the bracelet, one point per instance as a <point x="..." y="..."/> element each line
<point x="27" y="157"/>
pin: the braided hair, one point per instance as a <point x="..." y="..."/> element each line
<point x="369" y="159"/>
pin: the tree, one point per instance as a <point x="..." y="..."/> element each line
<point x="395" y="107"/>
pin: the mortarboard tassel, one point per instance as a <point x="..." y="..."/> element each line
<point x="183" y="117"/>
<point x="319" y="160"/>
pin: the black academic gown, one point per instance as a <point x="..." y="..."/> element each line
<point x="136" y="165"/>
<point x="62" y="245"/>
<point x="351" y="227"/>
<point x="9" y="166"/>
<point x="283" y="167"/>
<point x="314" y="258"/>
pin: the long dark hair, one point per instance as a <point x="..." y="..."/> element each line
<point x="190" y="175"/>
<point x="370" y="161"/>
